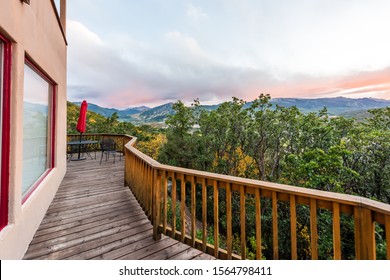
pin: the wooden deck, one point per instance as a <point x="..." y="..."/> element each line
<point x="93" y="216"/>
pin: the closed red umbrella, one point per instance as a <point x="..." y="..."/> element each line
<point x="82" y="122"/>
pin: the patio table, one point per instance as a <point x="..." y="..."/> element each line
<point x="79" y="144"/>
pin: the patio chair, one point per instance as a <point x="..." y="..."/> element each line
<point x="71" y="150"/>
<point x="108" y="147"/>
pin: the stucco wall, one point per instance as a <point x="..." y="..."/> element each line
<point x="33" y="30"/>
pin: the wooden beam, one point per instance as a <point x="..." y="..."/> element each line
<point x="157" y="205"/>
<point x="193" y="210"/>
<point x="293" y="228"/>
<point x="216" y="219"/>
<point x="243" y="221"/>
<point x="229" y="242"/>
<point x="387" y="229"/>
<point x="183" y="207"/>
<point x="336" y="232"/>
<point x="165" y="201"/>
<point x="313" y="229"/>
<point x="275" y="230"/>
<point x="204" y="215"/>
<point x="174" y="190"/>
<point x="258" y="224"/>
<point x="364" y="234"/>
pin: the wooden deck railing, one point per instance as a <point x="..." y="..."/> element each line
<point x="161" y="190"/>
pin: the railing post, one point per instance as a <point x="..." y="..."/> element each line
<point x="216" y="219"/>
<point x="364" y="234"/>
<point x="387" y="230"/>
<point x="336" y="232"/>
<point x="156" y="205"/>
<point x="126" y="155"/>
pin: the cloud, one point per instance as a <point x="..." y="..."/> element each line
<point x="131" y="72"/>
<point x="374" y="84"/>
<point x="134" y="73"/>
<point x="195" y="13"/>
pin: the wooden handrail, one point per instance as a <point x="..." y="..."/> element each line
<point x="366" y="212"/>
<point x="156" y="186"/>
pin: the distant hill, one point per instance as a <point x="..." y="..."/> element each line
<point x="107" y="112"/>
<point x="338" y="106"/>
<point x="157" y="114"/>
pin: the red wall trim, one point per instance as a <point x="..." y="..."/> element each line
<point x="52" y="125"/>
<point x="39" y="71"/>
<point x="5" y="144"/>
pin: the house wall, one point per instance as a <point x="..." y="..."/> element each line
<point x="34" y="30"/>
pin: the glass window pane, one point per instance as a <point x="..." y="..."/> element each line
<point x="35" y="127"/>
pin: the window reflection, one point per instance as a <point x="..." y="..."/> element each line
<point x="35" y="127"/>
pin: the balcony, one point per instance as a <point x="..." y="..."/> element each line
<point x="163" y="213"/>
<point x="94" y="216"/>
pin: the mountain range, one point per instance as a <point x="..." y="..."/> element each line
<point x="338" y="106"/>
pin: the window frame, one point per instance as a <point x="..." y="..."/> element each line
<point x="51" y="142"/>
<point x="5" y="91"/>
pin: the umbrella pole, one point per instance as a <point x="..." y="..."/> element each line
<point x="78" y="157"/>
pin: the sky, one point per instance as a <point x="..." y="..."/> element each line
<point x="128" y="53"/>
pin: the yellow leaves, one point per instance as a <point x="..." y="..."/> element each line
<point x="244" y="162"/>
<point x="238" y="161"/>
<point x="152" y="147"/>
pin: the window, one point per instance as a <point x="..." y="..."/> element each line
<point x="5" y="72"/>
<point x="38" y="128"/>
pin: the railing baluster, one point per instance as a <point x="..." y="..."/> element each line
<point x="258" y="223"/>
<point x="387" y="229"/>
<point x="193" y="209"/>
<point x="229" y="221"/>
<point x="275" y="231"/>
<point x="165" y="200"/>
<point x="313" y="229"/>
<point x="133" y="168"/>
<point x="204" y="215"/>
<point x="157" y="205"/>
<point x="145" y="186"/>
<point x="336" y="231"/>
<point x="135" y="177"/>
<point x="243" y="220"/>
<point x="183" y="208"/>
<point x="134" y="180"/>
<point x="150" y="192"/>
<point x="216" y="219"/>
<point x="293" y="227"/>
<point x="364" y="234"/>
<point x="142" y="178"/>
<point x="174" y="187"/>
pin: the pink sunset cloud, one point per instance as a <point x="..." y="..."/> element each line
<point x="374" y="84"/>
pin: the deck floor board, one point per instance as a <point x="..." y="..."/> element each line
<point x="94" y="216"/>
